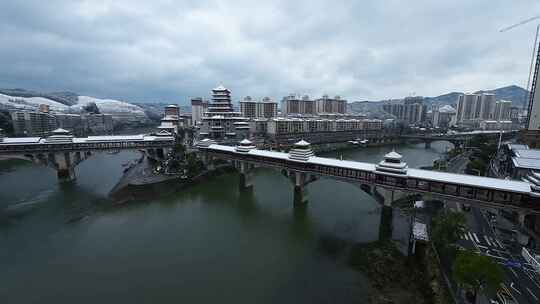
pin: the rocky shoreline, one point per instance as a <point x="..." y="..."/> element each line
<point x="131" y="188"/>
<point x="395" y="278"/>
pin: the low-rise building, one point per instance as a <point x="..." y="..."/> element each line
<point x="71" y="122"/>
<point x="443" y="117"/>
<point x="517" y="161"/>
<point x="284" y="131"/>
<point x="97" y="123"/>
<point x="494" y="125"/>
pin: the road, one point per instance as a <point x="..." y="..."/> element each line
<point x="520" y="280"/>
<point x="521" y="283"/>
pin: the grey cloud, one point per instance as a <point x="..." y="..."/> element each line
<point x="171" y="50"/>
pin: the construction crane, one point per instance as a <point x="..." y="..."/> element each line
<point x="519" y="23"/>
<point x="532" y="57"/>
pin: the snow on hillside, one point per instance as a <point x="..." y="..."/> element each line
<point x="106" y="106"/>
<point x="30" y="103"/>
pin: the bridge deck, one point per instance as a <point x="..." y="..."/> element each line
<point x="435" y="176"/>
<point x="81" y="140"/>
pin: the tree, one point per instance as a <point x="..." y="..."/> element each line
<point x="91" y="108"/>
<point x="476" y="271"/>
<point x="179" y="150"/>
<point x="446" y="228"/>
<point x="193" y="165"/>
<point x="5" y="122"/>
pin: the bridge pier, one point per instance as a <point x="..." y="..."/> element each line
<point x="427" y="144"/>
<point x="65" y="166"/>
<point x="521" y="219"/>
<point x="207" y="161"/>
<point x="300" y="192"/>
<point x="245" y="183"/>
<point x="66" y="175"/>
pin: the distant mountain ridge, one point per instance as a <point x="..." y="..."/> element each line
<point x="65" y="98"/>
<point x="514" y="93"/>
<point x="66" y="102"/>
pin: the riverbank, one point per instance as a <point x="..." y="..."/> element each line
<point x="395" y="278"/>
<point x="139" y="182"/>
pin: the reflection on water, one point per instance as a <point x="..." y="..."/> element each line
<point x="208" y="243"/>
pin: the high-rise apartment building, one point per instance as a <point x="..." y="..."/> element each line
<point x="198" y="107"/>
<point x="268" y="108"/>
<point x="33" y="123"/>
<point x="487" y="106"/>
<point x="254" y="109"/>
<point x="411" y="110"/>
<point x="476" y="107"/>
<point x="85" y="124"/>
<point x="304" y="106"/>
<point x="466" y="107"/>
<point x="294" y="105"/>
<point x="502" y="110"/>
<point x="98" y="123"/>
<point x="248" y="107"/>
<point x="331" y="105"/>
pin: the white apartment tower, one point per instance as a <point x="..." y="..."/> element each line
<point x="487" y="106"/>
<point x="198" y="107"/>
<point x="502" y="110"/>
<point x="475" y="107"/>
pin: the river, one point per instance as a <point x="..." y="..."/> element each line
<point x="67" y="243"/>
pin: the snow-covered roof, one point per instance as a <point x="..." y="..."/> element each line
<point x="528" y="153"/>
<point x="60" y="131"/>
<point x="514" y="147"/>
<point x="302" y="143"/>
<point x="170" y="118"/>
<point x="526" y="163"/>
<point x="245" y="142"/>
<point x="447" y="109"/>
<point x="220" y="88"/>
<point x="393" y="155"/>
<point x="470" y="180"/>
<point x="166" y="124"/>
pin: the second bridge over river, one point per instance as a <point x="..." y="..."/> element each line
<point x="392" y="173"/>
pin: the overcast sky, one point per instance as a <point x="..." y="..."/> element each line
<point x="172" y="50"/>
